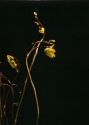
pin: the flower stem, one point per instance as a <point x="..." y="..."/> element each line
<point x="29" y="74"/>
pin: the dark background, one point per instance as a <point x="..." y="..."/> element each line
<point x="62" y="82"/>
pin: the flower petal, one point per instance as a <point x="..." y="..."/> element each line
<point x="13" y="62"/>
<point x="41" y="30"/>
<point x="50" y="52"/>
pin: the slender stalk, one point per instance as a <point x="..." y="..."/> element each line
<point x="3" y="106"/>
<point x="29" y="74"/>
<point x="35" y="94"/>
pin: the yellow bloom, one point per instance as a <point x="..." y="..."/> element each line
<point x="12" y="61"/>
<point x="50" y="51"/>
<point x="41" y="30"/>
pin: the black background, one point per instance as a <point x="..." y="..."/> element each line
<point x="62" y="82"/>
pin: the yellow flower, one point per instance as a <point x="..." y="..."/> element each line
<point x="12" y="61"/>
<point x="50" y="51"/>
<point x="41" y="30"/>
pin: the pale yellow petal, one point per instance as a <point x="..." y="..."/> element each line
<point x="50" y="52"/>
<point x="12" y="62"/>
<point x="41" y="30"/>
